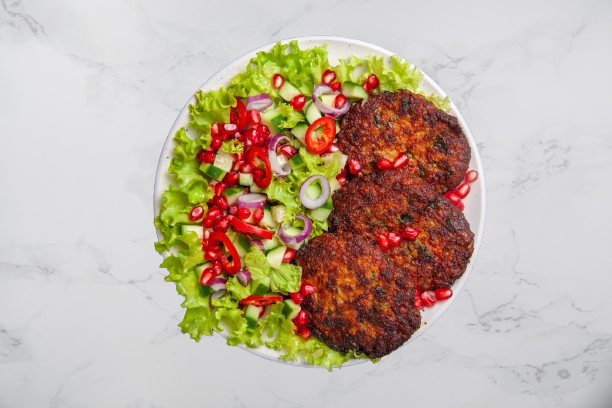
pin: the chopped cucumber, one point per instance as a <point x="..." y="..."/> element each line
<point x="261" y="287"/>
<point x="337" y="128"/>
<point x="328" y="100"/>
<point x="199" y="269"/>
<point x="297" y="162"/>
<point x="281" y="159"/>
<point x="245" y="179"/>
<point x="224" y="161"/>
<point x="290" y="309"/>
<point x="252" y="315"/>
<point x="275" y="256"/>
<point x="299" y="131"/>
<point x="312" y="113"/>
<point x="314" y="190"/>
<point x="256" y="189"/>
<point x="197" y="228"/>
<point x="241" y="242"/>
<point x="270" y="244"/>
<point x="268" y="219"/>
<point x="355" y="91"/>
<point x="232" y="194"/>
<point x="322" y="213"/>
<point x="279" y="213"/>
<point x="288" y="91"/>
<point x="212" y="171"/>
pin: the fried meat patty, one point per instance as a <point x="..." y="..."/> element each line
<point x="392" y="123"/>
<point x="364" y="302"/>
<point x="385" y="202"/>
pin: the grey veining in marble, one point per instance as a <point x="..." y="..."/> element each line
<point x="88" y="91"/>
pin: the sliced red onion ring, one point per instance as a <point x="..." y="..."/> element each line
<point x="244" y="277"/>
<point x="259" y="102"/>
<point x="321" y="199"/>
<point x="296" y="239"/>
<point x="265" y="312"/>
<point x="328" y="110"/>
<point x="218" y="284"/>
<point x="259" y="244"/>
<point x="252" y="200"/>
<point x="276" y="167"/>
<point x="218" y="294"/>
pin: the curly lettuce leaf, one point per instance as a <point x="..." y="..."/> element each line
<point x="286" y="279"/>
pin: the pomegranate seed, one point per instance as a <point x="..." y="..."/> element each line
<point x="471" y="176"/>
<point x="214" y="212"/>
<point x="215" y="129"/>
<point x="400" y="161"/>
<point x="384" y="164"/>
<point x="206" y="156"/>
<point x="237" y="165"/>
<point x="208" y="222"/>
<point x="298" y="102"/>
<point x="251" y="134"/>
<point x="259" y="173"/>
<point x="463" y="190"/>
<point x="217" y="267"/>
<point x="212" y="253"/>
<point x="336" y="86"/>
<point x="340" y="101"/>
<point x="260" y="141"/>
<point x="254" y="117"/>
<point x="278" y="81"/>
<point x="417" y="293"/>
<point x="245" y="168"/>
<point x="307" y="289"/>
<point x="229" y="217"/>
<point x="366" y="87"/>
<point x="244" y="213"/>
<point x="394" y="239"/>
<point x="289" y="255"/>
<point x="373" y="81"/>
<point x="305" y="333"/>
<point x="263" y="130"/>
<point x="207" y="276"/>
<point x="444" y="293"/>
<point x="239" y="136"/>
<point x="233" y="209"/>
<point x="288" y="151"/>
<point x="258" y="215"/>
<point x="354" y="166"/>
<point x="341" y="179"/>
<point x="418" y="302"/>
<point x="231" y="178"/>
<point x="460" y="205"/>
<point x="216" y="143"/>
<point x="301" y="319"/>
<point x="383" y="242"/>
<point x="429" y="298"/>
<point x="297" y="298"/>
<point x="205" y="244"/>
<point x="196" y="213"/>
<point x="454" y="198"/>
<point x="221" y="202"/>
<point x="328" y="77"/>
<point x="219" y="188"/>
<point x="409" y="233"/>
<point x="206" y="234"/>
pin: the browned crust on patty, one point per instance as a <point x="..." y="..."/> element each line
<point x="392" y="123"/>
<point x="364" y="302"/>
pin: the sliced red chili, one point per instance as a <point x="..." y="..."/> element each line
<point x="255" y="154"/>
<point x="319" y="141"/>
<point x="238" y="115"/>
<point x="261" y="300"/>
<point x="245" y="228"/>
<point x="220" y="236"/>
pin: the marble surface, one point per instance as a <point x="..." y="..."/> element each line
<point x="88" y="91"/>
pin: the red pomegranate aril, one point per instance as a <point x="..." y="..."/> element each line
<point x="298" y="102"/>
<point x="208" y="222"/>
<point x="463" y="190"/>
<point x="305" y="333"/>
<point x="245" y="168"/>
<point x="278" y="81"/>
<point x="454" y="198"/>
<point x="216" y="143"/>
<point x="394" y="239"/>
<point x="215" y="129"/>
<point x="258" y="215"/>
<point x="243" y="213"/>
<point x="221" y="202"/>
<point x="383" y="242"/>
<point x="214" y="212"/>
<point x="231" y="178"/>
<point x="373" y="81"/>
<point x="289" y="255"/>
<point x="444" y="293"/>
<point x="288" y="151"/>
<point x="429" y="298"/>
<point x="418" y="302"/>
<point x="254" y="117"/>
<point x="340" y="101"/>
<point x="301" y="319"/>
<point x="409" y="233"/>
<point x="400" y="161"/>
<point x="217" y="267"/>
<point x="251" y="134"/>
<point x="196" y="213"/>
<point x="233" y="209"/>
<point x="263" y="130"/>
<point x="259" y="173"/>
<point x="471" y="176"/>
<point x="366" y="87"/>
<point x="219" y="188"/>
<point x="354" y="166"/>
<point x="297" y="298"/>
<point x="460" y="205"/>
<point x="221" y="225"/>
<point x="212" y="253"/>
<point x="341" y="179"/>
<point x="336" y="86"/>
<point x="328" y="77"/>
<point x="384" y="164"/>
<point x="207" y="276"/>
<point x="417" y="293"/>
<point x="205" y="243"/>
<point x="307" y="289"/>
<point x="206" y="156"/>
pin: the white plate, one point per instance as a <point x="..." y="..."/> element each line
<point x="339" y="47"/>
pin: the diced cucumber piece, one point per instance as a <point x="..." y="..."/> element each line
<point x="279" y="213"/>
<point x="197" y="228"/>
<point x="212" y="171"/>
<point x="224" y="161"/>
<point x="256" y="189"/>
<point x="322" y="213"/>
<point x="281" y="159"/>
<point x="270" y="244"/>
<point x="245" y="179"/>
<point x="313" y="190"/>
<point x="232" y="194"/>
<point x="252" y="315"/>
<point x="328" y="100"/>
<point x="297" y="162"/>
<point x="299" y="131"/>
<point x="290" y="309"/>
<point x="268" y="219"/>
<point x="241" y="242"/>
<point x="288" y="91"/>
<point x="355" y="91"/>
<point x="261" y="287"/>
<point x="312" y="113"/>
<point x="275" y="256"/>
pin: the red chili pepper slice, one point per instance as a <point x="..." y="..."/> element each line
<point x="238" y="115"/>
<point x="261" y="300"/>
<point x="318" y="142"/>
<point x="245" y="228"/>
<point x="258" y="153"/>
<point x="220" y="236"/>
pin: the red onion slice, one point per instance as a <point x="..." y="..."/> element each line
<point x="276" y="167"/>
<point x="218" y="294"/>
<point x="218" y="284"/>
<point x="310" y="203"/>
<point x="259" y="102"/>
<point x="252" y="200"/>
<point x="296" y="239"/>
<point x="328" y="110"/>
<point x="259" y="244"/>
<point x="244" y="277"/>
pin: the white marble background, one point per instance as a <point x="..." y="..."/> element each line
<point x="88" y="91"/>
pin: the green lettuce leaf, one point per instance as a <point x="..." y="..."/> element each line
<point x="286" y="279"/>
<point x="257" y="263"/>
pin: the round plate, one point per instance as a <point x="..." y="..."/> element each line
<point x="339" y="47"/>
